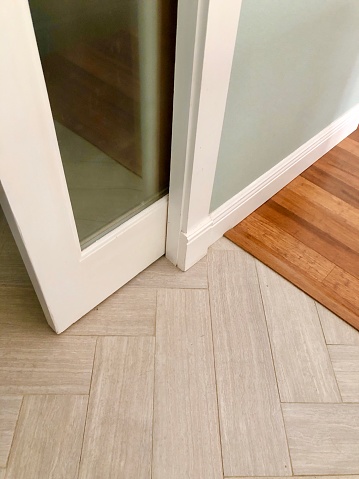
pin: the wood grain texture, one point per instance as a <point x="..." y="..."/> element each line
<point x="56" y="365"/>
<point x="345" y="361"/>
<point x="163" y="274"/>
<point x="98" y="73"/>
<point x="9" y="411"/>
<point x="186" y="430"/>
<point x="252" y="430"/>
<point x="48" y="438"/>
<point x="128" y="312"/>
<point x="301" y="359"/>
<point x="323" y="438"/>
<point x="311" y="227"/>
<point x="2" y="473"/>
<point x="335" y="330"/>
<point x="118" y="434"/>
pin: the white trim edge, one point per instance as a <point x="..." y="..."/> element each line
<point x="194" y="245"/>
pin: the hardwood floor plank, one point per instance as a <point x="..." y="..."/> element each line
<point x="264" y="234"/>
<point x="345" y="361"/>
<point x="301" y="359"/>
<point x="350" y="145"/>
<point x="9" y="411"/>
<point x="252" y="430"/>
<point x="56" y="365"/>
<point x="315" y="238"/>
<point x="323" y="438"/>
<point x="186" y="431"/>
<point x="336" y="331"/>
<point x="128" y="312"/>
<point x="330" y="204"/>
<point x="345" y="285"/>
<point x="118" y="433"/>
<point x="339" y="169"/>
<point x="332" y="184"/>
<point x="48" y="438"/>
<point x="163" y="274"/>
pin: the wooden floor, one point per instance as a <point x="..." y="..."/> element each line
<point x="227" y="370"/>
<point x="309" y="231"/>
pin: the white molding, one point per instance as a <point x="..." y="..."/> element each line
<point x="206" y="39"/>
<point x="195" y="243"/>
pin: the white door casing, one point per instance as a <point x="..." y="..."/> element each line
<point x="69" y="282"/>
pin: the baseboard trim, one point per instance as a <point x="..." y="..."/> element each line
<point x="194" y="245"/>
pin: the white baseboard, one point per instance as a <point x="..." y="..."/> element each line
<point x="194" y="245"/>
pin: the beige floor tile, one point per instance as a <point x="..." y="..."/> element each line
<point x="323" y="438"/>
<point x="56" y="365"/>
<point x="345" y="361"/>
<point x="118" y="434"/>
<point x="163" y="274"/>
<point x="9" y="411"/>
<point x="301" y="359"/>
<point x="12" y="268"/>
<point x="224" y="244"/>
<point x="186" y="443"/>
<point x="48" y="438"/>
<point x="336" y="331"/>
<point x="252" y="429"/>
<point x="128" y="312"/>
<point x="21" y="314"/>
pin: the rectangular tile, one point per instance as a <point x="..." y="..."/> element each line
<point x="55" y="365"/>
<point x="9" y="411"/>
<point x="345" y="361"/>
<point x="118" y="434"/>
<point x="163" y="274"/>
<point x="128" y="312"/>
<point x="21" y="314"/>
<point x="301" y="359"/>
<point x="186" y="431"/>
<point x="345" y="285"/>
<point x="252" y="429"/>
<point x="323" y="438"/>
<point x="48" y="438"/>
<point x="12" y="268"/>
<point x="336" y="331"/>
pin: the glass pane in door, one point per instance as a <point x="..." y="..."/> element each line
<point x="108" y="67"/>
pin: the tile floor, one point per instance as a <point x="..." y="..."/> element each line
<point x="226" y="370"/>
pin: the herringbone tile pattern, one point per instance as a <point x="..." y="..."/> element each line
<point x="226" y="370"/>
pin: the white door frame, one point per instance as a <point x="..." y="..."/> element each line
<point x="206" y="38"/>
<point x="68" y="281"/>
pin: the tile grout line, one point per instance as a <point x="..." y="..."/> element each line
<point x="328" y="354"/>
<point x="87" y="408"/>
<point x="15" y="429"/>
<point x="154" y="383"/>
<point x="215" y="370"/>
<point x="273" y="363"/>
